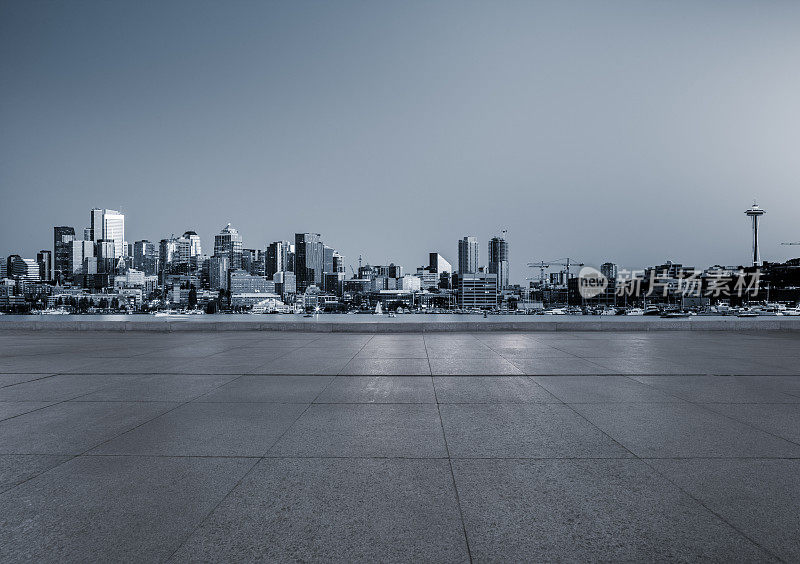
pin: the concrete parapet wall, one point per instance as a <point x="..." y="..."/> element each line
<point x="395" y="325"/>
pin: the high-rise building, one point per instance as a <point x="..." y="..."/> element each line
<point x="22" y="268"/>
<point x="338" y="262"/>
<point x="63" y="237"/>
<point x="110" y="226"/>
<point x="477" y="290"/>
<point x="229" y="243"/>
<point x="145" y="257"/>
<point x="468" y="255"/>
<point x="167" y="253"/>
<point x="308" y="260"/>
<point x="249" y="260"/>
<point x="327" y="258"/>
<point x="277" y="258"/>
<point x="194" y="243"/>
<point x="609" y="270"/>
<point x="439" y="265"/>
<point x="43" y="259"/>
<point x="218" y="272"/>
<point x="106" y="256"/>
<point x="498" y="260"/>
<point x="81" y="250"/>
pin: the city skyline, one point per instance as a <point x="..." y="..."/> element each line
<point x="627" y="132"/>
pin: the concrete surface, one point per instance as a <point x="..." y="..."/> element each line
<point x="445" y="447"/>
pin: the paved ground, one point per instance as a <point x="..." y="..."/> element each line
<point x="442" y="447"/>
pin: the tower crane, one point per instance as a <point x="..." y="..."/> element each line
<point x="567" y="263"/>
<point x="794" y="243"/>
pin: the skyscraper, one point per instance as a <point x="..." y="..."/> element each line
<point x="194" y="243"/>
<point x="81" y="251"/>
<point x="438" y="264"/>
<point x="43" y="259"/>
<point x="145" y="258"/>
<point x="229" y="243"/>
<point x="609" y="270"/>
<point x="498" y="260"/>
<point x="468" y="255"/>
<point x="109" y="225"/>
<point x="277" y="258"/>
<point x="309" y="259"/>
<point x="63" y="237"/>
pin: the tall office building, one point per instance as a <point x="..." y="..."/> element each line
<point x="327" y="258"/>
<point x="145" y="257"/>
<point x="438" y="264"/>
<point x="609" y="270"/>
<point x="229" y="243"/>
<point x="468" y="255"/>
<point x="478" y="291"/>
<point x="109" y="225"/>
<point x="22" y="268"/>
<point x="218" y="272"/>
<point x="167" y="253"/>
<point x="498" y="260"/>
<point x="81" y="251"/>
<point x="309" y="259"/>
<point x="63" y="237"/>
<point x="194" y="243"/>
<point x="338" y="262"/>
<point x="277" y="258"/>
<point x="43" y="259"/>
<point x="107" y="258"/>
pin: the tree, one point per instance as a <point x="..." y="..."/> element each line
<point x="115" y="303"/>
<point x="193" y="297"/>
<point x="104" y="303"/>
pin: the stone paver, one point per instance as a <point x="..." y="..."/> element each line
<point x="348" y="447"/>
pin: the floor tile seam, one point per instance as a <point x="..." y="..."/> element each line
<point x="696" y="499"/>
<point x="242" y="478"/>
<point x="353" y="357"/>
<point x="452" y="472"/>
<point x="730" y="417"/>
<point x="52" y="403"/>
<point x="430" y="367"/>
<point x="521" y="372"/>
<point x="179" y="405"/>
<point x="70" y="456"/>
<point x="291" y="350"/>
<point x="603" y="432"/>
<point x="404" y="457"/>
<point x="43" y="377"/>
<point x="747" y="424"/>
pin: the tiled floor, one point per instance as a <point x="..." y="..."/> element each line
<point x="441" y="447"/>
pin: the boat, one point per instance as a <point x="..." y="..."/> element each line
<point x="675" y="314"/>
<point x="747" y="312"/>
<point x="651" y="310"/>
<point x="556" y="311"/>
<point x="635" y="311"/>
<point x="793" y="311"/>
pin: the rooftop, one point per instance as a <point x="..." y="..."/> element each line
<point x="279" y="445"/>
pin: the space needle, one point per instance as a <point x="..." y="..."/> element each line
<point x="755" y="213"/>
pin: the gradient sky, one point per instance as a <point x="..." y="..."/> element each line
<point x="628" y="131"/>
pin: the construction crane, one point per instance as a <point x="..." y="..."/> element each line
<point x="795" y="243"/>
<point x="567" y="263"/>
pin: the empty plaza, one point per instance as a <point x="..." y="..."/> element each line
<point x="454" y="447"/>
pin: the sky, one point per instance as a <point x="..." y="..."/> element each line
<point x="634" y="132"/>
